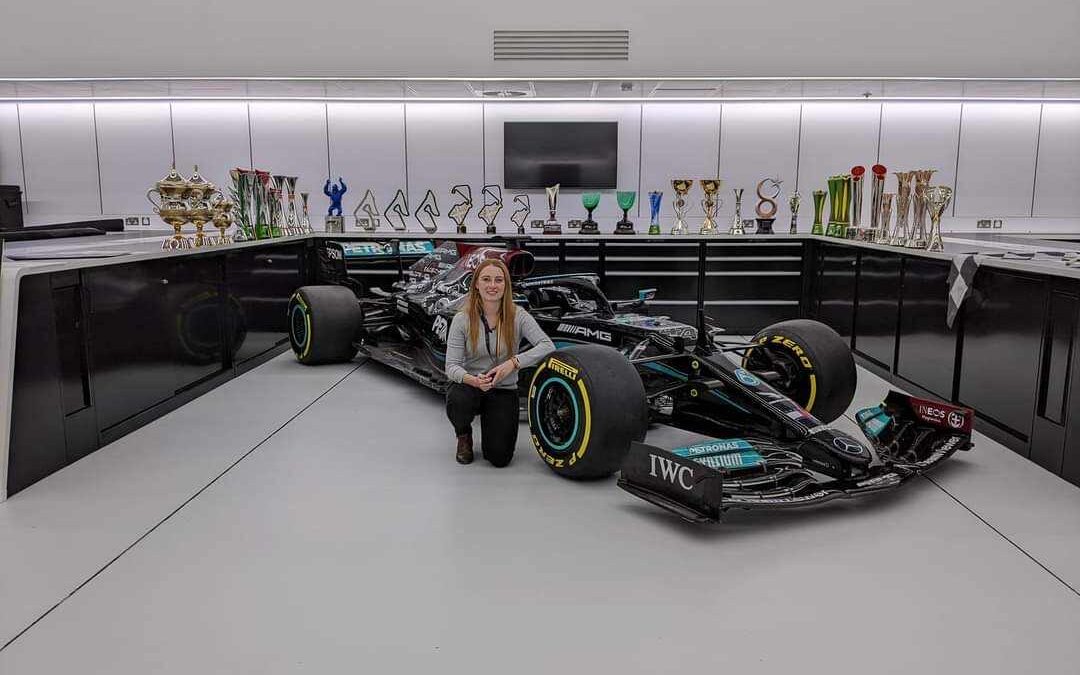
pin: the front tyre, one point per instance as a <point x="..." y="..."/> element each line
<point x="586" y="403"/>
<point x="323" y="323"/>
<point x="814" y="363"/>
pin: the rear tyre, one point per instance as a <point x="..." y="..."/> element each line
<point x="816" y="366"/>
<point x="586" y="403"/>
<point x="323" y="324"/>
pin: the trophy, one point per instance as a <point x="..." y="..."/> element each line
<point x="766" y="207"/>
<point x="625" y="199"/>
<point x="839" y="205"/>
<point x="305" y="217"/>
<point x="242" y="193"/>
<point x="277" y="207"/>
<point x="491" y="208"/>
<point x="819" y="210"/>
<point x="857" y="173"/>
<point x="886" y="212"/>
<point x="918" y="233"/>
<point x="710" y="187"/>
<point x="655" y="198"/>
<point x="737" y="221"/>
<point x="903" y="204"/>
<point x="521" y="215"/>
<point x="681" y="186"/>
<point x="220" y="211"/>
<point x="292" y="223"/>
<point x="398" y="208"/>
<point x="877" y="189"/>
<point x="335" y="222"/>
<point x="200" y="191"/>
<point x="430" y="208"/>
<point x="793" y="204"/>
<point x="937" y="198"/>
<point x="172" y="190"/>
<point x="551" y="225"/>
<point x="590" y="200"/>
<point x="372" y="220"/>
<point x="458" y="211"/>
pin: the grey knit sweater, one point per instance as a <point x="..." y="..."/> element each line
<point x="477" y="360"/>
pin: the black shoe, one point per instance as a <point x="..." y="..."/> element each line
<point x="464" y="449"/>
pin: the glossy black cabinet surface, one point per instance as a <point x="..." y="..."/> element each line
<point x="926" y="353"/>
<point x="878" y="305"/>
<point x="835" y="288"/>
<point x="260" y="282"/>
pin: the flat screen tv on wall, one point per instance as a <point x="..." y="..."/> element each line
<point x="576" y="155"/>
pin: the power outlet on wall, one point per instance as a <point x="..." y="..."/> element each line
<point x="998" y="223"/>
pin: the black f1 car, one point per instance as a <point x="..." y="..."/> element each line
<point x="764" y="403"/>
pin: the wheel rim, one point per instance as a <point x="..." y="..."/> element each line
<point x="558" y="415"/>
<point x="792" y="383"/>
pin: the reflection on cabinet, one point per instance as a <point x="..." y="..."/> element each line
<point x="835" y="288"/>
<point x="878" y="305"/>
<point x="926" y="350"/>
<point x="260" y="281"/>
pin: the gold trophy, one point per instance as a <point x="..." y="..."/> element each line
<point x="221" y="211"/>
<point x="681" y="186"/>
<point x="903" y="208"/>
<point x="200" y="192"/>
<point x="709" y="205"/>
<point x="886" y="212"/>
<point x="922" y="182"/>
<point x="172" y="192"/>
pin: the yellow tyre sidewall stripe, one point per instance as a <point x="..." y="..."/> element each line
<point x="809" y="407"/>
<point x="583" y="445"/>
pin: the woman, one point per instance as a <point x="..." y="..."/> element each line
<point x="482" y="361"/>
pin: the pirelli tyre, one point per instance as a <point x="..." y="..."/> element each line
<point x="585" y="405"/>
<point x="814" y="364"/>
<point x="323" y="323"/>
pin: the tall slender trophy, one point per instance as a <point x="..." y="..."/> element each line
<point x="292" y="222"/>
<point x="737" y="221"/>
<point x="590" y="200"/>
<point x="768" y="189"/>
<point x="922" y="182"/>
<point x="552" y="225"/>
<point x="305" y="217"/>
<point x="172" y="191"/>
<point x="371" y="220"/>
<point x="937" y="199"/>
<point x="263" y="195"/>
<point x="625" y="199"/>
<point x="335" y="222"/>
<point x="681" y="186"/>
<point x="397" y="212"/>
<point x="655" y="197"/>
<point x="877" y="189"/>
<point x="242" y="193"/>
<point x="458" y="211"/>
<point x="429" y="208"/>
<point x="855" y="220"/>
<point x="520" y="216"/>
<point x="793" y="204"/>
<point x="903" y="207"/>
<point x="886" y="212"/>
<point x="709" y="205"/>
<point x="819" y="212"/>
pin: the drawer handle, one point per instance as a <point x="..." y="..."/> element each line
<point x="164" y="282"/>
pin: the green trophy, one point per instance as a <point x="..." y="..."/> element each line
<point x="626" y="202"/>
<point x="590" y="200"/>
<point x="819" y="210"/>
<point x="839" y="205"/>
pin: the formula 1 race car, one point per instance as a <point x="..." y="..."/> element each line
<point x="764" y="403"/>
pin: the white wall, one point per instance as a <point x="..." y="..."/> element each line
<point x="1017" y="161"/>
<point x="964" y="38"/>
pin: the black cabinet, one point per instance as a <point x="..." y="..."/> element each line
<point x="878" y="307"/>
<point x="1001" y="357"/>
<point x="835" y="288"/>
<point x="260" y="282"/>
<point x="926" y="350"/>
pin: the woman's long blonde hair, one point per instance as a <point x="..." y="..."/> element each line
<point x="474" y="308"/>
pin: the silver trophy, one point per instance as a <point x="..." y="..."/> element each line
<point x="886" y="213"/>
<point x="493" y="203"/>
<point x="458" y="211"/>
<point x="430" y="209"/>
<point x="305" y="217"/>
<point x="292" y="222"/>
<point x="552" y="225"/>
<point x="277" y="207"/>
<point x="937" y="199"/>
<point x="857" y="173"/>
<point x="737" y="220"/>
<point x="397" y="212"/>
<point x="919" y="237"/>
<point x="520" y="216"/>
<point x="793" y="204"/>
<point x="371" y="220"/>
<point x="903" y="208"/>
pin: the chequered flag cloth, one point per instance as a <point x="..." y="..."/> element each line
<point x="960" y="284"/>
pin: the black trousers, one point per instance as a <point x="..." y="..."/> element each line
<point x="498" y="410"/>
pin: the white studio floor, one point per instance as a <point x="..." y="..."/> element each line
<point x="313" y="520"/>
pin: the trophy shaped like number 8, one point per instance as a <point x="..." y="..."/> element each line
<point x="766" y="208"/>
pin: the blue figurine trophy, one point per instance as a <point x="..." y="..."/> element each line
<point x="335" y="222"/>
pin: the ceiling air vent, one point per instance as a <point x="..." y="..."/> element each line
<point x="562" y="45"/>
